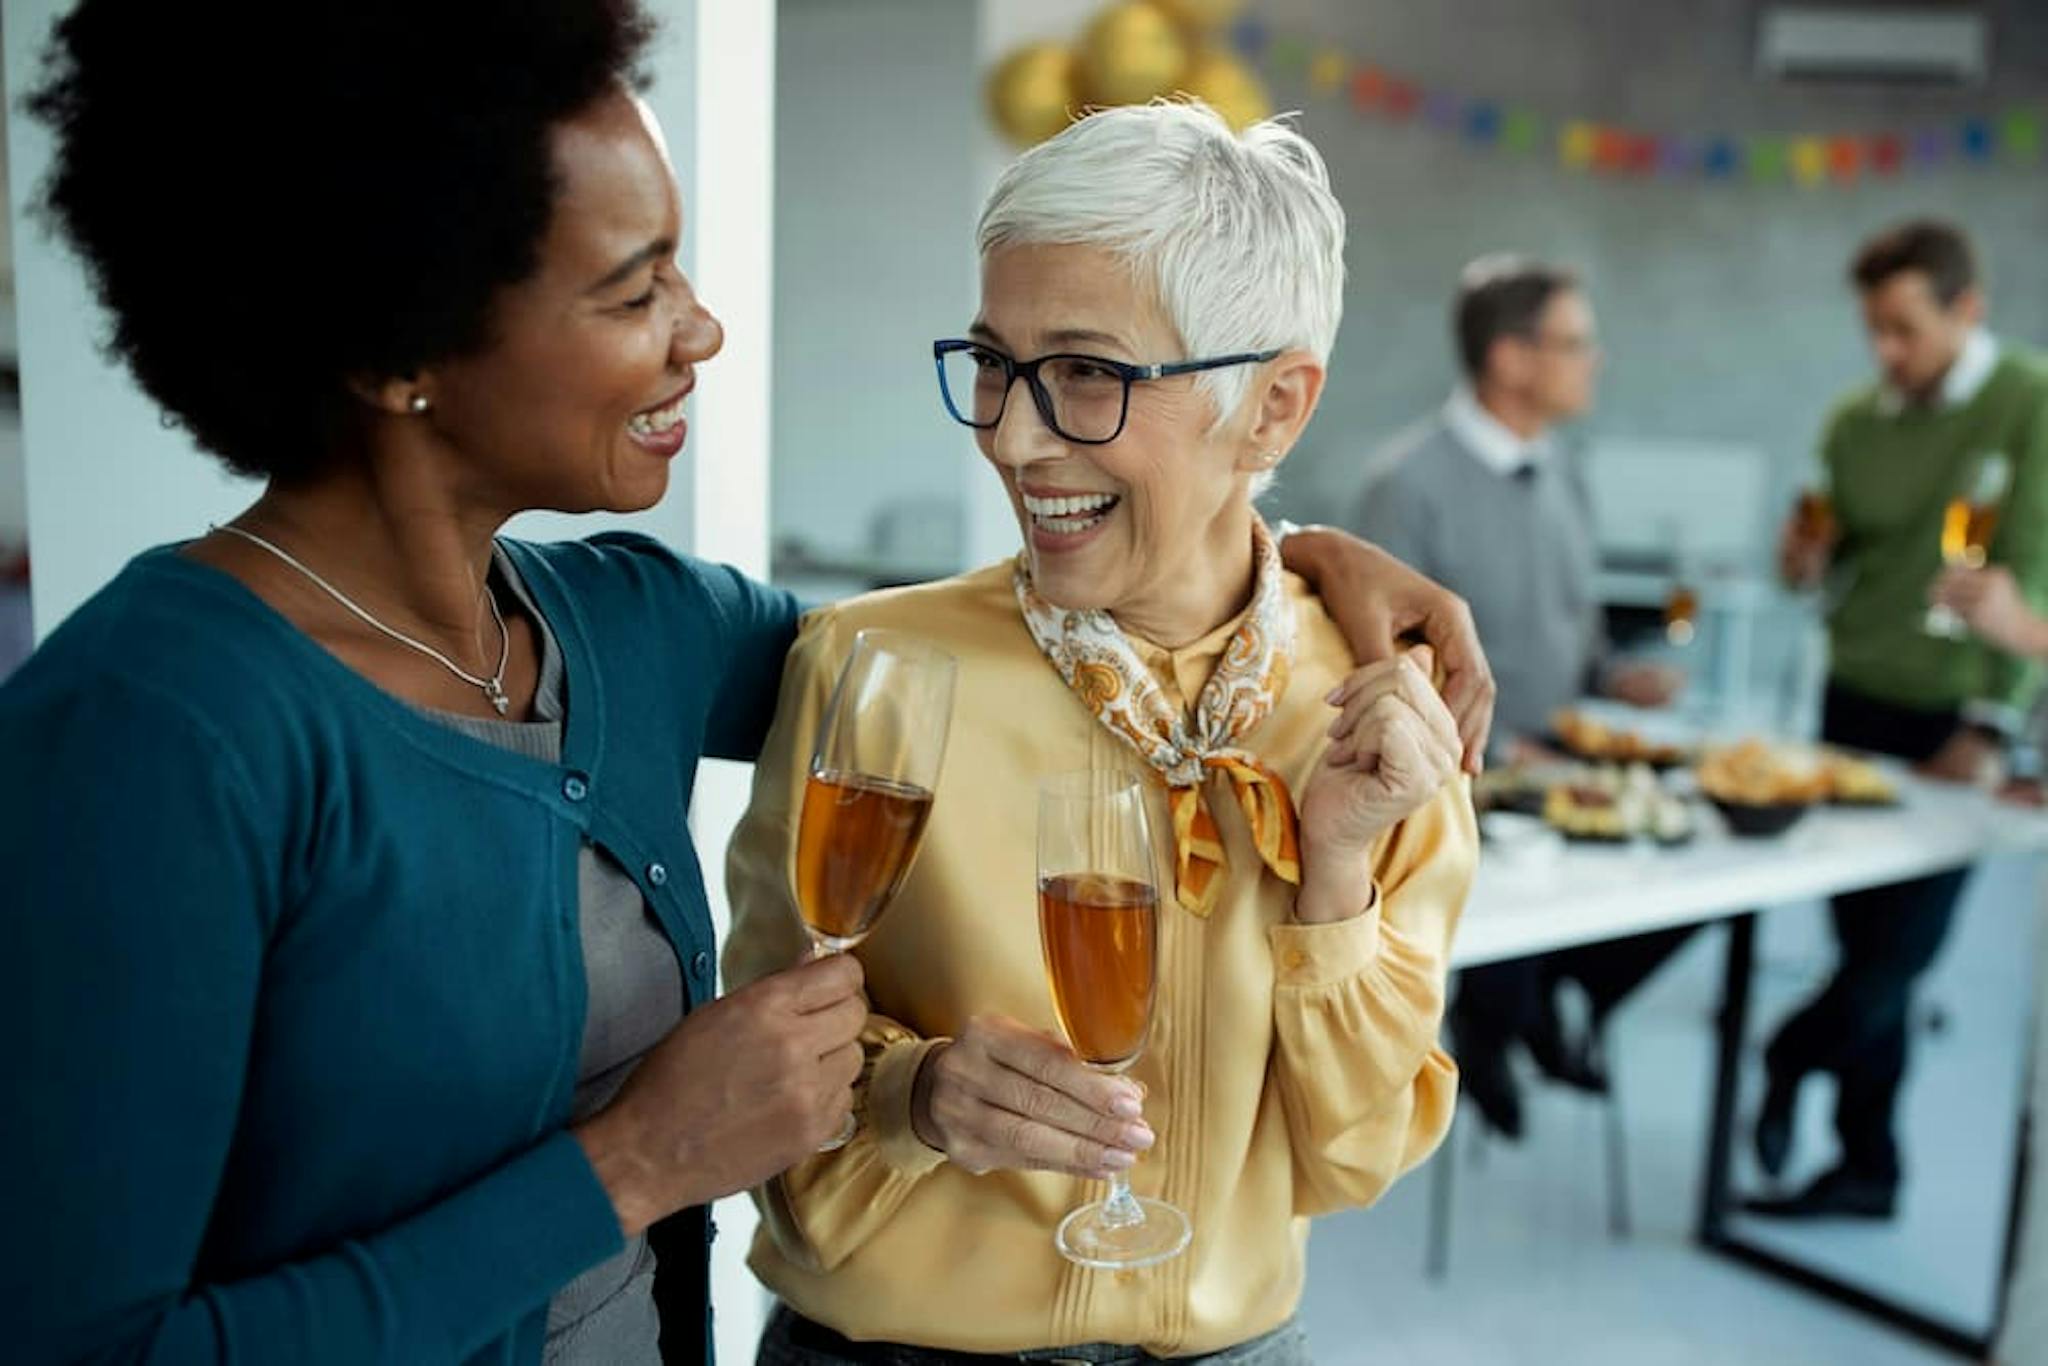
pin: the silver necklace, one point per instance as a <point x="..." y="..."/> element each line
<point x="493" y="687"/>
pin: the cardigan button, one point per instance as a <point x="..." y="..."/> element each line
<point x="700" y="965"/>
<point x="657" y="874"/>
<point x="575" y="787"/>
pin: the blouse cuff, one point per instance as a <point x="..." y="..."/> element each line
<point x="1326" y="954"/>
<point x="890" y="1088"/>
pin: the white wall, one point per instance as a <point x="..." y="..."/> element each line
<point x="991" y="525"/>
<point x="884" y="157"/>
<point x="106" y="479"/>
<point x="876" y="187"/>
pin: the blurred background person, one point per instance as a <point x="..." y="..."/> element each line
<point x="1950" y="403"/>
<point x="1484" y="496"/>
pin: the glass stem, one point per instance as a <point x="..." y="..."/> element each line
<point x="1121" y="1209"/>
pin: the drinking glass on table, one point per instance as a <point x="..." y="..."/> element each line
<point x="1682" y="597"/>
<point x="1098" y="924"/>
<point x="874" y="768"/>
<point x="1968" y="524"/>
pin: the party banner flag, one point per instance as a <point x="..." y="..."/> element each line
<point x="1401" y="100"/>
<point x="1522" y="131"/>
<point x="1482" y="122"/>
<point x="1978" y="141"/>
<point x="1766" y="159"/>
<point x="1577" y="144"/>
<point x="1845" y="158"/>
<point x="2020" y="133"/>
<point x="1288" y="54"/>
<point x="1327" y="72"/>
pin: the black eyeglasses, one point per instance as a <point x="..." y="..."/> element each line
<point x="1084" y="399"/>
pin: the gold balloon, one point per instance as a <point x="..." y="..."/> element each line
<point x="1031" y="94"/>
<point x="1202" y="14"/>
<point x="1226" y="85"/>
<point x="1130" y="54"/>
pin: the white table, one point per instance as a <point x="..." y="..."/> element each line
<point x="1595" y="892"/>
<point x="1592" y="892"/>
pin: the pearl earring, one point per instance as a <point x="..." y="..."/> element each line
<point x="418" y="403"/>
<point x="1270" y="458"/>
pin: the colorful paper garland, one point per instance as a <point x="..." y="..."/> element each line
<point x="1810" y="160"/>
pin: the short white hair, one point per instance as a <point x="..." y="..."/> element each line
<point x="1238" y="234"/>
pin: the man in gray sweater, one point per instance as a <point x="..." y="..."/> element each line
<point x="1481" y="497"/>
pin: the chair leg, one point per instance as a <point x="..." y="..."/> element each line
<point x="1436" y="1259"/>
<point x="1619" y="1225"/>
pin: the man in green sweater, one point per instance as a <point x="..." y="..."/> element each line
<point x="1952" y="402"/>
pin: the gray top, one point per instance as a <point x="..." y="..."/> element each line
<point x="1518" y="547"/>
<point x="605" y="1317"/>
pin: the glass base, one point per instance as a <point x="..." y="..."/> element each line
<point x="1088" y="1237"/>
<point x="1942" y="623"/>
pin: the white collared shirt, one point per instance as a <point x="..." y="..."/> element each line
<point x="1965" y="379"/>
<point x="1487" y="437"/>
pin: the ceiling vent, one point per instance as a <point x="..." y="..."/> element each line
<point x="1925" y="45"/>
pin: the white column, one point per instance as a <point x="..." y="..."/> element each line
<point x="728" y="165"/>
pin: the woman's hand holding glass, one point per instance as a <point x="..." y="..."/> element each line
<point x="740" y="1090"/>
<point x="1392" y="748"/>
<point x="1003" y="1096"/>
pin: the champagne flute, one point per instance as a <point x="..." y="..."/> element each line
<point x="874" y="767"/>
<point x="1098" y="924"/>
<point x="1814" y="514"/>
<point x="1682" y="597"/>
<point x="1968" y="524"/>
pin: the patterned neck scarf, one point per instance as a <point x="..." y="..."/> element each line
<point x="1099" y="663"/>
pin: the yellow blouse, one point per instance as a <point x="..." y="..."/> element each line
<point x="1291" y="1069"/>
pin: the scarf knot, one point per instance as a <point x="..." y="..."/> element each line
<point x="1091" y="652"/>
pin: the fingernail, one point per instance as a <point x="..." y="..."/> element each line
<point x="1117" y="1160"/>
<point x="1333" y="694"/>
<point x="1138" y="1137"/>
<point x="1127" y="1105"/>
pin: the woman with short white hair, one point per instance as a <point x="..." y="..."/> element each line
<point x="1164" y="293"/>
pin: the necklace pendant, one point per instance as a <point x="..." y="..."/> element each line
<point x="497" y="696"/>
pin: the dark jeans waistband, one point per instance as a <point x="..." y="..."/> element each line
<point x="791" y="1339"/>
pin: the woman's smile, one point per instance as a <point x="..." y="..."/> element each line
<point x="662" y="429"/>
<point x="1062" y="520"/>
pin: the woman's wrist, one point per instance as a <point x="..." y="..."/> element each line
<point x="643" y="1191"/>
<point x="921" y="1101"/>
<point x="620" y="1170"/>
<point x="1335" y="888"/>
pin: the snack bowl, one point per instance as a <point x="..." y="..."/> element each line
<point x="1753" y="820"/>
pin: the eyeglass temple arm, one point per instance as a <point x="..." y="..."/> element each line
<point x="1189" y="367"/>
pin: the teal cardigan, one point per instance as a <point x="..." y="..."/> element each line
<point x="292" y="973"/>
